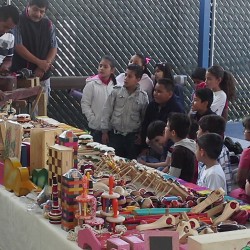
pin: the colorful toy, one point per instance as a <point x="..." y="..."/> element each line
<point x="87" y="204"/>
<point x="71" y="188"/>
<point x="55" y="215"/>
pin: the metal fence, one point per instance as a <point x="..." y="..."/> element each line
<point x="165" y="30"/>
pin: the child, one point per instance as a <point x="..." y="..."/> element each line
<point x="123" y="114"/>
<point x="217" y="124"/>
<point x="199" y="76"/>
<point x="208" y="150"/>
<point x="244" y="164"/>
<point x="183" y="154"/>
<point x="156" y="134"/>
<point x="95" y="94"/>
<point x="203" y="99"/>
<point x="164" y="70"/>
<point x="163" y="104"/>
<point x="146" y="83"/>
<point x="222" y="83"/>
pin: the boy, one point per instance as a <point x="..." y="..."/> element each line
<point x="183" y="154"/>
<point x="156" y="134"/>
<point x="165" y="102"/>
<point x="208" y="150"/>
<point x="203" y="99"/>
<point x="217" y="124"/>
<point x="123" y="114"/>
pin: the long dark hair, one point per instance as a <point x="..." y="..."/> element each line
<point x="227" y="83"/>
<point x="112" y="65"/>
<point x="144" y="64"/>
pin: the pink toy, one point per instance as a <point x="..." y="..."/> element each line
<point x="134" y="242"/>
<point x="86" y="238"/>
<point x="117" y="243"/>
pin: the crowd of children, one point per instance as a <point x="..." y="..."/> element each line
<point x="144" y="118"/>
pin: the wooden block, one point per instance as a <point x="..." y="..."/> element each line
<point x="42" y="105"/>
<point x="224" y="241"/>
<point x="134" y="242"/>
<point x="117" y="243"/>
<point x="60" y="161"/>
<point x="40" y="140"/>
<point x="26" y="83"/>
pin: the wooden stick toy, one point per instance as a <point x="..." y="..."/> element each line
<point x="229" y="209"/>
<point x="213" y="197"/>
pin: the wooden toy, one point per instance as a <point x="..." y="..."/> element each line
<point x="13" y="140"/>
<point x="213" y="197"/>
<point x="134" y="242"/>
<point x="87" y="204"/>
<point x="223" y="241"/>
<point x="117" y="243"/>
<point x="69" y="139"/>
<point x="156" y="240"/>
<point x="86" y="238"/>
<point x="166" y="220"/>
<point x="60" y="161"/>
<point x="40" y="177"/>
<point x="2" y="139"/>
<point x="55" y="215"/>
<point x="40" y="140"/>
<point x="71" y="188"/>
<point x="229" y="209"/>
<point x="16" y="178"/>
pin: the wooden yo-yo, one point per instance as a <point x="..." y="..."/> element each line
<point x="107" y="198"/>
<point x="115" y="218"/>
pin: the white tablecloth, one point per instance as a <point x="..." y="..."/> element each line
<point x="23" y="230"/>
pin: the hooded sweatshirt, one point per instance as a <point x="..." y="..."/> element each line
<point x="146" y="84"/>
<point x="183" y="159"/>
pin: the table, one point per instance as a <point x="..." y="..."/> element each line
<point x="23" y="230"/>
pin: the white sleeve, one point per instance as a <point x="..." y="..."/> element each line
<point x="86" y="102"/>
<point x="219" y="102"/>
<point x="176" y="172"/>
<point x="120" y="79"/>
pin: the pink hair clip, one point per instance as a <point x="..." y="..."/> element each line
<point x="148" y="60"/>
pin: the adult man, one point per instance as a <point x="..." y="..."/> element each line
<point x="9" y="18"/>
<point x="35" y="42"/>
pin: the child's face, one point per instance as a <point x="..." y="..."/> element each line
<point x="198" y="153"/>
<point x="159" y="74"/>
<point x="104" y="69"/>
<point x="247" y="134"/>
<point x="168" y="134"/>
<point x="200" y="132"/>
<point x="212" y="82"/>
<point x="198" y="105"/>
<point x="247" y="188"/>
<point x="161" y="95"/>
<point x="159" y="140"/>
<point x="130" y="79"/>
<point x="135" y="60"/>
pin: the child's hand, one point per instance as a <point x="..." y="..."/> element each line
<point x="105" y="138"/>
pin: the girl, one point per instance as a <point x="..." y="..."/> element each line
<point x="164" y="70"/>
<point x="223" y="85"/>
<point x="95" y="94"/>
<point x="146" y="83"/>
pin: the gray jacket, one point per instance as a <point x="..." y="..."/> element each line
<point x="124" y="112"/>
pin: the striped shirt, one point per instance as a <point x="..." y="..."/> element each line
<point x="6" y="46"/>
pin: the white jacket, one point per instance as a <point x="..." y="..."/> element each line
<point x="146" y="84"/>
<point x="94" y="96"/>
